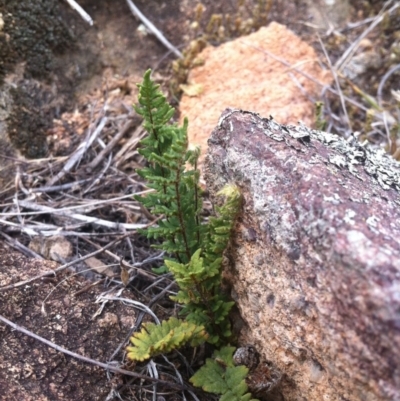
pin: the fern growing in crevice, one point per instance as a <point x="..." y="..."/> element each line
<point x="200" y="279"/>
<point x="195" y="248"/>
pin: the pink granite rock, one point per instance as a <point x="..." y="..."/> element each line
<point x="245" y="74"/>
<point x="315" y="258"/>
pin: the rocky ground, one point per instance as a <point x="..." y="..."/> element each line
<point x="62" y="77"/>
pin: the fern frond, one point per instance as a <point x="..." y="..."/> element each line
<point x="177" y="190"/>
<point x="169" y="335"/>
<point x="196" y="249"/>
<point x="220" y="376"/>
<point x="220" y="227"/>
<point x="152" y="105"/>
<point x="200" y="294"/>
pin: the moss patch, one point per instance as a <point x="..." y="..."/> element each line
<point x="33" y="31"/>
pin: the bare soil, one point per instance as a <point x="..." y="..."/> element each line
<point x="31" y="370"/>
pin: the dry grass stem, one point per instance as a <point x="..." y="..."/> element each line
<point x="348" y="54"/>
<point x="151" y="27"/>
<point x="86" y="17"/>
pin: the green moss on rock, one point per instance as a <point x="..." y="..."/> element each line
<point x="33" y="32"/>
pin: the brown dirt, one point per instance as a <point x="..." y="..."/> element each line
<point x="30" y="370"/>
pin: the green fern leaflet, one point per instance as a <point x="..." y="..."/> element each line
<point x="155" y="339"/>
<point x="220" y="376"/>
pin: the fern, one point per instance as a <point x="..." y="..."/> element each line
<point x="195" y="248"/>
<point x="176" y="193"/>
<point x="200" y="279"/>
<point x="220" y="376"/>
<point x="155" y="339"/>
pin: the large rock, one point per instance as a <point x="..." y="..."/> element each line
<point x="315" y="256"/>
<point x="257" y="72"/>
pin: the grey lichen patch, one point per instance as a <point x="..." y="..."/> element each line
<point x="348" y="154"/>
<point x="361" y="248"/>
<point x="379" y="165"/>
<point x="349" y="216"/>
<point x="372" y="223"/>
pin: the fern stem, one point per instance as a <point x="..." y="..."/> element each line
<point x="196" y="202"/>
<point x="154" y="133"/>
<point x="180" y="217"/>
<point x="205" y="297"/>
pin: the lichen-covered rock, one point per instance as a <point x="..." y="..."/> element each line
<point x="315" y="256"/>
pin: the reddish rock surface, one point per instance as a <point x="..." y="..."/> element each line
<point x="315" y="256"/>
<point x="242" y="75"/>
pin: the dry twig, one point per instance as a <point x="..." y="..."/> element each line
<point x="76" y="156"/>
<point x="347" y="55"/>
<point x="80" y="11"/>
<point x="338" y="88"/>
<point x="151" y="27"/>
